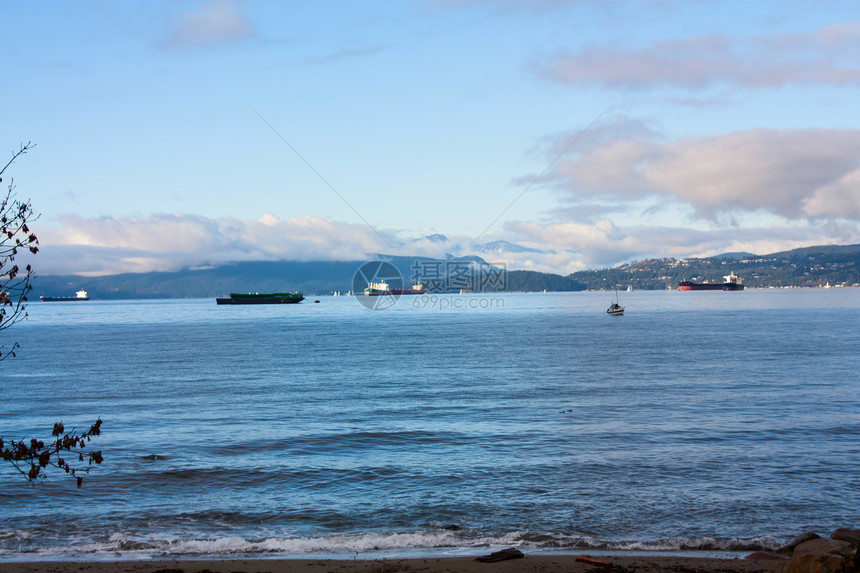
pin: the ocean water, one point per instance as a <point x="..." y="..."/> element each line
<point x="698" y="421"/>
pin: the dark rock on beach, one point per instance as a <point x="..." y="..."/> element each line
<point x="849" y="535"/>
<point x="803" y="537"/>
<point x="823" y="555"/>
<point x="503" y="555"/>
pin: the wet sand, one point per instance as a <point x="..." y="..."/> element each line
<point x="538" y="564"/>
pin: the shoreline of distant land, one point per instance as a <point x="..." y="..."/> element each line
<point x="834" y="265"/>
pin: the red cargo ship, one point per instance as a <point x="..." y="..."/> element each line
<point x="417" y="288"/>
<point x="730" y="282"/>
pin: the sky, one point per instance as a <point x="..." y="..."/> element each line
<point x="591" y="132"/>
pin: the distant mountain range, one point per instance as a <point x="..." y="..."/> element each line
<point x="811" y="266"/>
<point x="505" y="247"/>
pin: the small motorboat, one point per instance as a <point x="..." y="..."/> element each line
<point x="615" y="309"/>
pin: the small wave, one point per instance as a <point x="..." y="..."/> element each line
<point x="699" y="544"/>
<point x="135" y="547"/>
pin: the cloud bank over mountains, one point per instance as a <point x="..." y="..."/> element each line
<point x="99" y="246"/>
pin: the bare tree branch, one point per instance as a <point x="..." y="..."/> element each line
<point x="15" y="234"/>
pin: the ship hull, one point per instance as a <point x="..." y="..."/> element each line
<point x="375" y="292"/>
<point x="275" y="298"/>
<point x="63" y="298"/>
<point x="686" y="285"/>
<point x="406" y="291"/>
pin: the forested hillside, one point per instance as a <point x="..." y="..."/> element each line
<point x="808" y="267"/>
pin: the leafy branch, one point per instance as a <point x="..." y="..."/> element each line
<point x="31" y="457"/>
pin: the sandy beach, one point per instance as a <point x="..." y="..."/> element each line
<point x="547" y="564"/>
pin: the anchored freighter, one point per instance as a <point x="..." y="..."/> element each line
<point x="265" y="298"/>
<point x="730" y="282"/>
<point x="80" y="295"/>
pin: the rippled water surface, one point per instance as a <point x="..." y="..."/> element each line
<point x="697" y="420"/>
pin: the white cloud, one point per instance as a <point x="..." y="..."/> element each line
<point x="842" y="196"/>
<point x="215" y="22"/>
<point x="108" y="245"/>
<point x="269" y="220"/>
<point x="790" y="173"/>
<point x="826" y="56"/>
<point x="774" y="170"/>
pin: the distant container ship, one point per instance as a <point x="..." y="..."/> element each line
<point x="79" y="296"/>
<point x="382" y="288"/>
<point x="730" y="282"/>
<point x="265" y="298"/>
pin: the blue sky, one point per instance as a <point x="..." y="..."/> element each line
<point x="597" y="132"/>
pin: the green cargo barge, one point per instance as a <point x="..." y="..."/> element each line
<point x="267" y="298"/>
